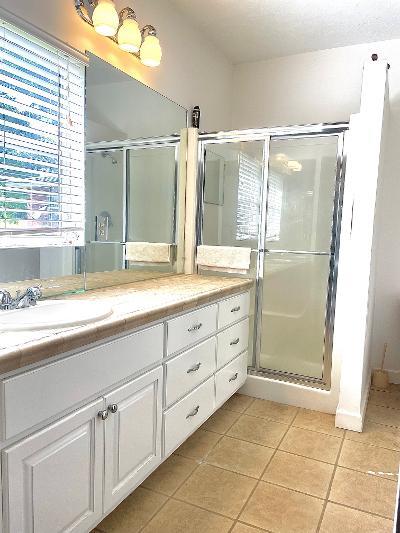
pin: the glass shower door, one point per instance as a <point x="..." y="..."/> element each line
<point x="298" y="256"/>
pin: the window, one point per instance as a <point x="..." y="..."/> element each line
<point x="249" y="191"/>
<point x="42" y="143"/>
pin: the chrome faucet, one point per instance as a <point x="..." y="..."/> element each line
<point x="27" y="299"/>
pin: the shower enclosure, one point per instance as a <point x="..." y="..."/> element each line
<point x="279" y="191"/>
<point x="133" y="190"/>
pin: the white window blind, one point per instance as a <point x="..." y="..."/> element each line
<point x="274" y="208"/>
<point x="249" y="192"/>
<point x="42" y="143"/>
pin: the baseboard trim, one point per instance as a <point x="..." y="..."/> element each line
<point x="394" y="376"/>
<point x="354" y="421"/>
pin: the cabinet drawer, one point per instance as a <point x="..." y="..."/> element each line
<point x="189" y="369"/>
<point x="187" y="415"/>
<point x="35" y="396"/>
<point x="232" y="342"/>
<point x="191" y="328"/>
<point x="230" y="378"/>
<point x="233" y="309"/>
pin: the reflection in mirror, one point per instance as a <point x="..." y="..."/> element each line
<point x="120" y="107"/>
<point x="105" y="196"/>
<point x="131" y="183"/>
<point x="56" y="270"/>
<point x="152" y="176"/>
<point x="117" y="107"/>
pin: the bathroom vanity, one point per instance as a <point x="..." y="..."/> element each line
<point x="86" y="423"/>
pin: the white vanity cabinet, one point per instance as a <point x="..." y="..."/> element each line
<point x="132" y="435"/>
<point x="81" y="432"/>
<point x="52" y="480"/>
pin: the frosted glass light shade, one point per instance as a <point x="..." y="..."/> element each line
<point x="105" y="18"/>
<point x="150" y="51"/>
<point x="129" y="36"/>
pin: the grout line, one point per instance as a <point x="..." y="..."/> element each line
<point x="260" y="480"/>
<point x="330" y="483"/>
<point x="360" y="510"/>
<point x="172" y="496"/>
<point x="261" y="476"/>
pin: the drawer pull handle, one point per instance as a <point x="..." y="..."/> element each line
<point x="194" y="368"/>
<point x="113" y="408"/>
<point x="234" y="377"/>
<point x="193" y="413"/>
<point x="195" y="327"/>
<point x="236" y="341"/>
<point x="235" y="309"/>
<point x="103" y="414"/>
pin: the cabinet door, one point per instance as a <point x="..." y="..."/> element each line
<point x="53" y="479"/>
<point x="132" y="435"/>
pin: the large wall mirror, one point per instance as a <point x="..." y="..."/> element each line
<point x="133" y="188"/>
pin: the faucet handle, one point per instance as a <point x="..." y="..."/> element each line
<point x="5" y="299"/>
<point x="34" y="294"/>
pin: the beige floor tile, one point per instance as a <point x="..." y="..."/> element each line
<point x="299" y="473"/>
<point x="170" y="475"/>
<point x="383" y="415"/>
<point x="377" y="435"/>
<point x="363" y="491"/>
<point x="220" y="421"/>
<point x="281" y="510"/>
<point x="393" y="387"/>
<point x="370" y="459"/>
<point x="339" y="518"/>
<point x="316" y="421"/>
<point x="244" y="528"/>
<point x="239" y="456"/>
<point x="217" y="490"/>
<point x="238" y="403"/>
<point x="311" y="444"/>
<point x="199" y="445"/>
<point x="180" y="517"/>
<point x="133" y="513"/>
<point x="259" y="431"/>
<point x="384" y="398"/>
<point x="272" y="411"/>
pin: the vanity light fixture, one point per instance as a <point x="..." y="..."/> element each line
<point x="122" y="28"/>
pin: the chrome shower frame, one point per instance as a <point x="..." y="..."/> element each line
<point x="266" y="135"/>
<point x="125" y="147"/>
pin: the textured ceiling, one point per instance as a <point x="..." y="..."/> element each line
<point x="251" y="30"/>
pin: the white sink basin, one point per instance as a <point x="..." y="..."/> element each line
<point x="52" y="314"/>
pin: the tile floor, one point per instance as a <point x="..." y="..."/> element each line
<point x="260" y="466"/>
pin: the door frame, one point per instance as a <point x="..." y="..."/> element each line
<point x="266" y="135"/>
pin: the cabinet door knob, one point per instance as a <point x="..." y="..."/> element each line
<point x="113" y="408"/>
<point x="103" y="414"/>
<point x="236" y="341"/>
<point x="194" y="368"/>
<point x="235" y="309"/>
<point x="195" y="327"/>
<point x="193" y="413"/>
<point x="234" y="377"/>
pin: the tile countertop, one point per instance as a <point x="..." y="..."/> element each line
<point x="134" y="305"/>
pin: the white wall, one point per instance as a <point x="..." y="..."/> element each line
<point x="192" y="71"/>
<point x="325" y="86"/>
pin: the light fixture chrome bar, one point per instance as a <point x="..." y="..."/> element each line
<point x="125" y="13"/>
